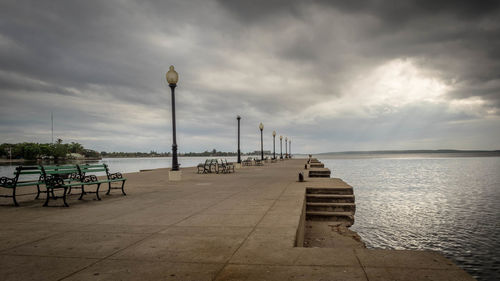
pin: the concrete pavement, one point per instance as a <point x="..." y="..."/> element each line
<point x="240" y="226"/>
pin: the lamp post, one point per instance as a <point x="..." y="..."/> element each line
<point x="290" y="147"/>
<point x="274" y="145"/>
<point x="239" y="152"/>
<point x="261" y="127"/>
<point x="281" y="147"/>
<point x="286" y="147"/>
<point x="172" y="78"/>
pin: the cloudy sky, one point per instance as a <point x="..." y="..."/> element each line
<point x="331" y="75"/>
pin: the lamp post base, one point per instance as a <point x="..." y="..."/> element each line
<point x="174" y="175"/>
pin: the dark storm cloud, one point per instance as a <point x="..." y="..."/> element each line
<point x="100" y="65"/>
<point x="390" y="11"/>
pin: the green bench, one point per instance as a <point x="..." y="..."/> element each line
<point x="20" y="180"/>
<point x="110" y="177"/>
<point x="66" y="177"/>
<point x="62" y="177"/>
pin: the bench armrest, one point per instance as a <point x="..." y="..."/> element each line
<point x="115" y="176"/>
<point x="76" y="177"/>
<point x="90" y="178"/>
<point x="7" y="182"/>
<point x="54" y="181"/>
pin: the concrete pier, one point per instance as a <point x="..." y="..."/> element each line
<point x="247" y="225"/>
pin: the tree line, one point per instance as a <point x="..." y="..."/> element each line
<point x="213" y="152"/>
<point x="59" y="150"/>
<point x="32" y="151"/>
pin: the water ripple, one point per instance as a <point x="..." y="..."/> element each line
<point x="450" y="205"/>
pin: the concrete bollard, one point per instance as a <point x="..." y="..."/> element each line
<point x="301" y="177"/>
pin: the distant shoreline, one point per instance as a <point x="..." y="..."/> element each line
<point x="409" y="154"/>
<point x="418" y="151"/>
<point x="405" y="154"/>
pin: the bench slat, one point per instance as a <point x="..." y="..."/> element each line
<point x="61" y="172"/>
<point x="29" y="183"/>
<point x="29" y="172"/>
<point x="92" y="166"/>
<point x="93" y="170"/>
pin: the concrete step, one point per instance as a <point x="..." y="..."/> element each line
<point x="313" y="175"/>
<point x="319" y="172"/>
<point x="314" y="160"/>
<point x="316" y="165"/>
<point x="345" y="217"/>
<point x="329" y="190"/>
<point x="330" y="198"/>
<point x="330" y="207"/>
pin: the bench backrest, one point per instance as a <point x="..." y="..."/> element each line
<point x="93" y="168"/>
<point x="23" y="170"/>
<point x="60" y="170"/>
<point x="28" y="170"/>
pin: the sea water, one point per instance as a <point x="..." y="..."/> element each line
<point x="448" y="205"/>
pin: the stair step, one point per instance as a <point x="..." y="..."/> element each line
<point x="331" y="207"/>
<point x="330" y="190"/>
<point x="330" y="198"/>
<point x="334" y="196"/>
<point x="330" y="214"/>
<point x="319" y="176"/>
<point x="326" y="204"/>
<point x="346" y="218"/>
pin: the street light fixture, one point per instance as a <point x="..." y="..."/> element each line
<point x="261" y="127"/>
<point x="239" y="151"/>
<point x="172" y="78"/>
<point x="281" y="147"/>
<point x="274" y="145"/>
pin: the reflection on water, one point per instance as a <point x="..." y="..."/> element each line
<point x="450" y="205"/>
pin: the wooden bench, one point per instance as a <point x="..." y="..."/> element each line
<point x="247" y="162"/>
<point x="258" y="162"/>
<point x="204" y="167"/>
<point x="56" y="178"/>
<point x="85" y="169"/>
<point x="228" y="167"/>
<point x="66" y="177"/>
<point x="15" y="182"/>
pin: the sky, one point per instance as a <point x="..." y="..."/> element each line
<point x="329" y="75"/>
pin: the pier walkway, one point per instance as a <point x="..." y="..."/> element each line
<point x="239" y="226"/>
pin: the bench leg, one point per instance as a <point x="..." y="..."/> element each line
<point x="37" y="191"/>
<point x="64" y="197"/>
<point x="48" y="196"/>
<point x="14" y="197"/>
<point x="123" y="188"/>
<point x="81" y="194"/>
<point x="97" y="191"/>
